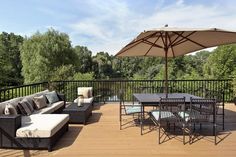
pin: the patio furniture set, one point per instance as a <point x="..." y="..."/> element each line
<point x="38" y="121"/>
<point x="174" y="113"/>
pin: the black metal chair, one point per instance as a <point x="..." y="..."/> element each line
<point x="202" y="111"/>
<point x="220" y="104"/>
<point x="167" y="115"/>
<point x="128" y="109"/>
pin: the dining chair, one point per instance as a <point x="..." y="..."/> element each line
<point x="128" y="109"/>
<point x="167" y="115"/>
<point x="202" y="111"/>
<point x="220" y="105"/>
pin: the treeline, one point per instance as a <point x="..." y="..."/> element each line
<point x="50" y="56"/>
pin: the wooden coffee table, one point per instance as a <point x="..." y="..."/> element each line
<point x="78" y="114"/>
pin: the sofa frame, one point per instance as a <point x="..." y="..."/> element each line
<point x="9" y="125"/>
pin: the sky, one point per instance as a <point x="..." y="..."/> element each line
<point x="108" y="25"/>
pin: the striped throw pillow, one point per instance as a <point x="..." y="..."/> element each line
<point x="25" y="107"/>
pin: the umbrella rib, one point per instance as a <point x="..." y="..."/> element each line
<point x="170" y="45"/>
<point x="135" y="43"/>
<point x="173" y="42"/>
<point x="152" y="45"/>
<point x="162" y="39"/>
<point x="182" y="39"/>
<point x="187" y="39"/>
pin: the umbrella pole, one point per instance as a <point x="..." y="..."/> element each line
<point x="166" y="74"/>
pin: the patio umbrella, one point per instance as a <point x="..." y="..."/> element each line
<point x="172" y="42"/>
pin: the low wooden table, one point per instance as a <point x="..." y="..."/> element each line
<point x="78" y="114"/>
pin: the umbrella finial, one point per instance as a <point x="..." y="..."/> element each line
<point x="166" y="25"/>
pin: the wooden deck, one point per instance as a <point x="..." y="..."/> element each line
<point x="101" y="137"/>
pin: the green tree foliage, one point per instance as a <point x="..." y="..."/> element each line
<point x="221" y="63"/>
<point x="49" y="56"/>
<point x="43" y="54"/>
<point x="102" y="65"/>
<point x="10" y="63"/>
<point x="64" y="72"/>
<point x="84" y="76"/>
<point x="84" y="59"/>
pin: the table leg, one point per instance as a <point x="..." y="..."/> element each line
<point x="142" y="118"/>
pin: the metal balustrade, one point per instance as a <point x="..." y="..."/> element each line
<point x="108" y="90"/>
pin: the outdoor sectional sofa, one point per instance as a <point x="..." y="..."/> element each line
<point x="40" y="130"/>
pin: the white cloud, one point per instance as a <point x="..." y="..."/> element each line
<point x="112" y="24"/>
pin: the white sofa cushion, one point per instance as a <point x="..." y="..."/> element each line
<point x="86" y="100"/>
<point x="50" y="108"/>
<point x="41" y="125"/>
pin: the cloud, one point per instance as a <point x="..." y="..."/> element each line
<point x="109" y="25"/>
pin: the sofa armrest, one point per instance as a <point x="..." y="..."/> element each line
<point x="10" y="123"/>
<point x="61" y="96"/>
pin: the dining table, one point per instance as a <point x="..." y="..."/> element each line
<point x="153" y="99"/>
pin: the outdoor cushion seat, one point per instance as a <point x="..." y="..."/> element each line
<point x="131" y="109"/>
<point x="165" y="115"/>
<point x="41" y="125"/>
<point x="50" y="108"/>
<point x="86" y="100"/>
<point x="195" y="116"/>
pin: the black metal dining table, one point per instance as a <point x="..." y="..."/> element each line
<point x="147" y="99"/>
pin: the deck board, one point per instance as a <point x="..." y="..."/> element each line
<point x="101" y="137"/>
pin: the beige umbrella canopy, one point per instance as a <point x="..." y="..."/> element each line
<point x="171" y="42"/>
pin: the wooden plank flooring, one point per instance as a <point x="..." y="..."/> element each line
<point x="101" y="137"/>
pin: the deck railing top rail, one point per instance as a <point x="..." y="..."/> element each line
<point x="109" y="89"/>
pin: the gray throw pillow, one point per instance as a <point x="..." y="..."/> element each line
<point x="10" y="109"/>
<point x="52" y="97"/>
<point x="40" y="102"/>
<point x="25" y="107"/>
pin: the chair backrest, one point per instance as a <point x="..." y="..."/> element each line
<point x="87" y="92"/>
<point x="172" y="104"/>
<point x="205" y="106"/>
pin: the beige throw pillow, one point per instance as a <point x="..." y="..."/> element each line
<point x="40" y="102"/>
<point x="10" y="110"/>
<point x="85" y="91"/>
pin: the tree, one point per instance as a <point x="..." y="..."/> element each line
<point x="10" y="63"/>
<point x="64" y="72"/>
<point x="84" y="76"/>
<point x="102" y="65"/>
<point x="220" y="64"/>
<point x="84" y="59"/>
<point x="43" y="54"/>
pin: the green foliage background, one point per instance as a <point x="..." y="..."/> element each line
<point x="50" y="56"/>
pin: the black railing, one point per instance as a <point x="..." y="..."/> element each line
<point x="20" y="91"/>
<point x="108" y="90"/>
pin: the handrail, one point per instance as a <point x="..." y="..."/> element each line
<point x="108" y="89"/>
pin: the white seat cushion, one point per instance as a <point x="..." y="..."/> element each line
<point x="195" y="116"/>
<point x="86" y="100"/>
<point x="41" y="125"/>
<point x="165" y="115"/>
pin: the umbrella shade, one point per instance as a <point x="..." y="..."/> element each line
<point x="171" y="42"/>
<point x="176" y="41"/>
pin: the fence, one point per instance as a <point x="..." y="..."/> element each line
<point x="108" y="90"/>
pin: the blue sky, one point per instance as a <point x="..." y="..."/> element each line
<point x="107" y="25"/>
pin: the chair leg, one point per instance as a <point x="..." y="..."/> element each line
<point x="223" y="119"/>
<point x="183" y="134"/>
<point x="159" y="135"/>
<point x="190" y="133"/>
